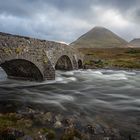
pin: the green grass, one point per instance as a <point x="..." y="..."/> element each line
<point x="112" y="57"/>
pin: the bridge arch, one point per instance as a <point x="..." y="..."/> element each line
<point x="22" y="69"/>
<point x="64" y="63"/>
<point x="80" y="64"/>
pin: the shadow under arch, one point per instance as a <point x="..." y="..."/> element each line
<point x="80" y="64"/>
<point x="22" y="69"/>
<point x="63" y="63"/>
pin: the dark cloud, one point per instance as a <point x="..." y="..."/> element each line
<point x="65" y="20"/>
<point x="119" y="4"/>
<point x="76" y="7"/>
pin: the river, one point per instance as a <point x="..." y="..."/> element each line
<point x="112" y="96"/>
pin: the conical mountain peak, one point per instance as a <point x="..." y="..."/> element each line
<point x="99" y="37"/>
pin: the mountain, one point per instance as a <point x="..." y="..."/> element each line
<point x="135" y="43"/>
<point x="99" y="37"/>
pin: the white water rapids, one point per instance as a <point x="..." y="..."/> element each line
<point x="113" y="95"/>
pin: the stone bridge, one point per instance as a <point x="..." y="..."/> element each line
<point x="34" y="59"/>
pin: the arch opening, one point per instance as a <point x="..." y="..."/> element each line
<point x="80" y="65"/>
<point x="64" y="63"/>
<point x="3" y="74"/>
<point x="22" y="69"/>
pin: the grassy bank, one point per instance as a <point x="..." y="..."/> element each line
<point x="125" y="58"/>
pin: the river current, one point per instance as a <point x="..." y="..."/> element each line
<point x="109" y="95"/>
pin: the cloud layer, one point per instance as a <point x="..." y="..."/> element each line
<point x="66" y="20"/>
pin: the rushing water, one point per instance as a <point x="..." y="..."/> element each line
<point x="112" y="95"/>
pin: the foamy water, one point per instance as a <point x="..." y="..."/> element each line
<point x="113" y="94"/>
<point x="120" y="86"/>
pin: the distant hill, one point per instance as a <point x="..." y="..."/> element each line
<point x="99" y="37"/>
<point x="135" y="43"/>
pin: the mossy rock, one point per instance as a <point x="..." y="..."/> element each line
<point x="70" y="134"/>
<point x="45" y="60"/>
<point x="50" y="134"/>
<point x="8" y="51"/>
<point x="18" y="50"/>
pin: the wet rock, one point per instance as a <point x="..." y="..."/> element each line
<point x="1" y="114"/>
<point x="51" y="126"/>
<point x="78" y="125"/>
<point x="18" y="133"/>
<point x="40" y="137"/>
<point x="59" y="117"/>
<point x="68" y="122"/>
<point x="37" y="118"/>
<point x="58" y="124"/>
<point x="90" y="129"/>
<point x="7" y="137"/>
<point x="49" y="133"/>
<point x="115" y="133"/>
<point x="11" y="134"/>
<point x="31" y="111"/>
<point x="106" y="138"/>
<point x="44" y="119"/>
<point x="19" y="116"/>
<point x="70" y="134"/>
<point x="48" y="117"/>
<point x="98" y="129"/>
<point x="27" y="138"/>
<point x="75" y="138"/>
<point x="24" y="122"/>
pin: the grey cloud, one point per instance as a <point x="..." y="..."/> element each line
<point x="64" y="20"/>
<point x="135" y="15"/>
<point x="120" y="4"/>
<point x="19" y="8"/>
<point x="76" y="7"/>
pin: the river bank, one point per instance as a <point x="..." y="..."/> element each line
<point x="38" y="125"/>
<point x="111" y="58"/>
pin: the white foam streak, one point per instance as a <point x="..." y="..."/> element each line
<point x="120" y="96"/>
<point x="91" y="74"/>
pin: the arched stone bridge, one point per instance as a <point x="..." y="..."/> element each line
<point x="34" y="59"/>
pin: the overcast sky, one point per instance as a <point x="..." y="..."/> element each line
<point x="66" y="20"/>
